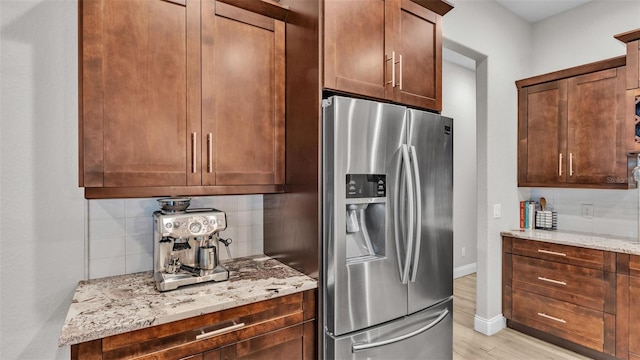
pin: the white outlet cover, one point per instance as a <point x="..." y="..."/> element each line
<point x="587" y="211"/>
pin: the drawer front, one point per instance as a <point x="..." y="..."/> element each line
<point x="185" y="337"/>
<point x="574" y="284"/>
<point x="575" y="323"/>
<point x="560" y="253"/>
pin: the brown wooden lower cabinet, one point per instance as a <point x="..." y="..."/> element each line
<point x="565" y="295"/>
<point x="628" y="311"/>
<point x="282" y="328"/>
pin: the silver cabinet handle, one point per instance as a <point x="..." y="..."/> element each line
<point x="210" y="152"/>
<point x="560" y="165"/>
<point x="551" y="252"/>
<point x="409" y="180"/>
<point x="360" y="347"/>
<point x="393" y="69"/>
<point x="219" y="331"/>
<point x="552" y="318"/>
<point x="400" y="82"/>
<point x="551" y="280"/>
<point x="193" y="150"/>
<point x="418" y="202"/>
<point x="570" y="164"/>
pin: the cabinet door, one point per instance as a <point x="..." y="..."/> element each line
<point x="417" y="40"/>
<point x="596" y="142"/>
<point x="634" y="318"/>
<point x="542" y="118"/>
<point x="354" y="47"/>
<point x="281" y="344"/>
<point x="136" y="91"/>
<point x="243" y="97"/>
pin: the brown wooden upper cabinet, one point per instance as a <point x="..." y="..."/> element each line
<point x="385" y="49"/>
<point x="181" y="97"/>
<point x="571" y="128"/>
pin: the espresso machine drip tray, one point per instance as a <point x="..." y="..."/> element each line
<point x="185" y="248"/>
<point x="165" y="282"/>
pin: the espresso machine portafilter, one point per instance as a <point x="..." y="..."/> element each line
<point x="186" y="248"/>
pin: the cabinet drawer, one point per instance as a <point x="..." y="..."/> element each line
<point x="198" y="334"/>
<point x="579" y="285"/>
<point x="575" y="323"/>
<point x="560" y="253"/>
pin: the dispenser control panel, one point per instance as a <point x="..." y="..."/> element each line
<point x="366" y="185"/>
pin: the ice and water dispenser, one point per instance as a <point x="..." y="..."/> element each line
<point x="365" y="216"/>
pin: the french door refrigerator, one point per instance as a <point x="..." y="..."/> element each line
<point x="387" y="231"/>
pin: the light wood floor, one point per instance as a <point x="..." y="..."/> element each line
<point x="507" y="344"/>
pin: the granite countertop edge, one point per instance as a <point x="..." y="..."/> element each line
<point x="619" y="244"/>
<point x="120" y="304"/>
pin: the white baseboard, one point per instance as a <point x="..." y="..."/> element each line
<point x="489" y="326"/>
<point x="464" y="270"/>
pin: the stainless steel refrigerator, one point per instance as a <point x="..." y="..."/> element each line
<point x="387" y="231"/>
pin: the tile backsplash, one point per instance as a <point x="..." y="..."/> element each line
<point x="615" y="212"/>
<point x="120" y="235"/>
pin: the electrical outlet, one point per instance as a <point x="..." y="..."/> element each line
<point x="497" y="211"/>
<point x="587" y="211"/>
<point x="463" y="252"/>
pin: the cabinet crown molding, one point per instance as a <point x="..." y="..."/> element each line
<point x="574" y="71"/>
<point x="628" y="36"/>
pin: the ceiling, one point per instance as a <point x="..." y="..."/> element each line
<point x="536" y="10"/>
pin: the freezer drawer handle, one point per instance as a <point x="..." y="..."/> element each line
<point x="360" y="347"/>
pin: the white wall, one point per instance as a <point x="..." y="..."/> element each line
<point x="582" y="35"/>
<point x="505" y="40"/>
<point x="42" y="230"/>
<point x="459" y="103"/>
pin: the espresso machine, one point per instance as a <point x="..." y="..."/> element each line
<point x="185" y="246"/>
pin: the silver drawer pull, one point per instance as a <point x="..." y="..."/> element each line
<point x="552" y="318"/>
<point x="552" y="281"/>
<point x="219" y="331"/>
<point x="551" y="252"/>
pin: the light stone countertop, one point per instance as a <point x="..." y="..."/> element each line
<point x="618" y="244"/>
<point x="119" y="304"/>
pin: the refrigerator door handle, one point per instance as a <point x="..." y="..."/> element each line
<point x="406" y="163"/>
<point x="360" y="347"/>
<point x="418" y="222"/>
